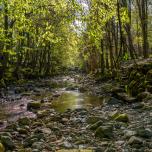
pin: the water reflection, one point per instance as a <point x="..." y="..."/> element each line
<point x="74" y="99"/>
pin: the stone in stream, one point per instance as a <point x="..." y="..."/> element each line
<point x="104" y="132"/>
<point x="121" y="117"/>
<point x="113" y="101"/>
<point x="2" y="148"/>
<point x="93" y="119"/>
<point x="129" y="133"/>
<point x="33" y="105"/>
<point x="135" y="141"/>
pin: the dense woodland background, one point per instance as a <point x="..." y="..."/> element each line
<point x="44" y="38"/>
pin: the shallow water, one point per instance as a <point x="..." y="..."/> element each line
<point x="75" y="100"/>
<point x="11" y="112"/>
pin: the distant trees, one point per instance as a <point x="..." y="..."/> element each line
<point x="37" y="37"/>
<point x="116" y="31"/>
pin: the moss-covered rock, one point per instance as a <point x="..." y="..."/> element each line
<point x="104" y="132"/>
<point x="2" y="148"/>
<point x="33" y="105"/>
<point x="121" y="117"/>
<point x="93" y="119"/>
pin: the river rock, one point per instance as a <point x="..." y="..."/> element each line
<point x="104" y="131"/>
<point x="145" y="133"/>
<point x="33" y="105"/>
<point x="93" y="119"/>
<point x="113" y="101"/>
<point x="122" y="118"/>
<point x="7" y="142"/>
<point x="129" y="133"/>
<point x="135" y="140"/>
<point x="2" y="149"/>
<point x="24" y="121"/>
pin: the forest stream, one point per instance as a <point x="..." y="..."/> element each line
<point x="66" y="97"/>
<point x="73" y="113"/>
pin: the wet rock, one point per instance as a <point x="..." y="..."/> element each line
<point x="2" y="149"/>
<point x="145" y="133"/>
<point x="135" y="140"/>
<point x="7" y="142"/>
<point x="96" y="125"/>
<point x="24" y="121"/>
<point x="93" y="119"/>
<point x="33" y="105"/>
<point x="114" y="114"/>
<point x="113" y="101"/>
<point x="129" y="133"/>
<point x="121" y="118"/>
<point x="104" y="132"/>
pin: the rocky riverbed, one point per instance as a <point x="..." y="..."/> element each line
<point x="115" y="123"/>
